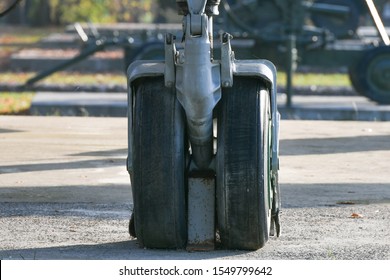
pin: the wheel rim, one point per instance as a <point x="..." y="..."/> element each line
<point x="270" y="191"/>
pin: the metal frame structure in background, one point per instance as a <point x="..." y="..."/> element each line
<point x="281" y="34"/>
<point x="277" y="31"/>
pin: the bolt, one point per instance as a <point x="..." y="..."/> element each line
<point x="181" y="58"/>
<point x="226" y="84"/>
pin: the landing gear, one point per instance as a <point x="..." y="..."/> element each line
<point x="244" y="193"/>
<point x="185" y="189"/>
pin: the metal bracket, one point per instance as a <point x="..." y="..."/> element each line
<point x="170" y="54"/>
<point x="198" y="88"/>
<point x="196" y="6"/>
<point x="195" y="25"/>
<point x="227" y="58"/>
<point x="378" y="22"/>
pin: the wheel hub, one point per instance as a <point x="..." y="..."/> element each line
<point x="379" y="74"/>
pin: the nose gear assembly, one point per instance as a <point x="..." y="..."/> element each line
<point x="203" y="143"/>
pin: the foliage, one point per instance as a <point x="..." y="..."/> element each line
<point x="60" y="12"/>
<point x="68" y="11"/>
<point x="15" y="103"/>
<point x="66" y="78"/>
<point x="316" y="79"/>
<point x="102" y="11"/>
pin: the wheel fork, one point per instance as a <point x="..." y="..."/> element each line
<point x="197" y="80"/>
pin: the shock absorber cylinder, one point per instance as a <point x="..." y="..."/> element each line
<point x="198" y="81"/>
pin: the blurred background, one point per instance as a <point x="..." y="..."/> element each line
<point x="40" y="13"/>
<point x="38" y="35"/>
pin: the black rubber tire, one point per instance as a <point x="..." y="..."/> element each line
<point x="132" y="226"/>
<point x="243" y="165"/>
<point x="370" y="76"/>
<point x="158" y="181"/>
<point x="340" y="27"/>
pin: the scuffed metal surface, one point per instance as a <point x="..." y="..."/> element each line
<point x="201" y="211"/>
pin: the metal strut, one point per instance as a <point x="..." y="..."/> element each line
<point x="198" y="81"/>
<point x="378" y="22"/>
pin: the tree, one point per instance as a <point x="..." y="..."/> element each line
<point x="103" y="11"/>
<point x="38" y="12"/>
<point x="44" y="12"/>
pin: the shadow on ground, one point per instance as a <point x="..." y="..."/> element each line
<point x="112" y="251"/>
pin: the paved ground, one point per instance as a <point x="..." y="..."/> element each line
<point x="65" y="193"/>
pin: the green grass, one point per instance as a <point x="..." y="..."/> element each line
<point x="15" y="103"/>
<point x="86" y="79"/>
<point x="19" y="103"/>
<point x="67" y="78"/>
<point x="310" y="79"/>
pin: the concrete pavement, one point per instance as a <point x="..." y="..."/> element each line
<point x="65" y="192"/>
